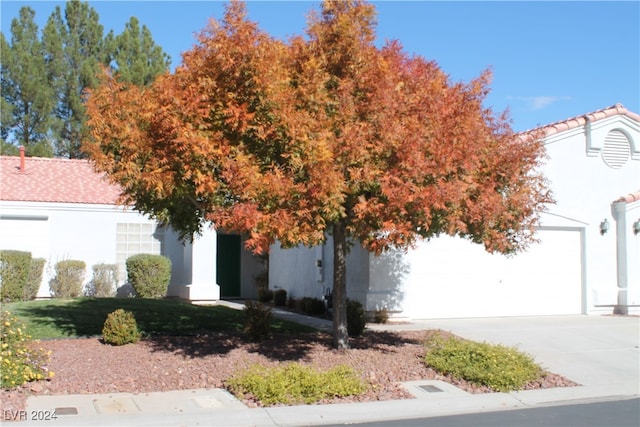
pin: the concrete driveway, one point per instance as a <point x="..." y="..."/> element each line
<point x="598" y="351"/>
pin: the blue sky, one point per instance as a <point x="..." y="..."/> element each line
<point x="551" y="60"/>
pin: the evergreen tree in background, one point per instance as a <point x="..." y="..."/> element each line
<point x="28" y="99"/>
<point x="74" y="47"/>
<point x="134" y="55"/>
<point x="45" y="75"/>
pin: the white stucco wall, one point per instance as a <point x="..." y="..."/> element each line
<point x="70" y="231"/>
<point x="584" y="187"/>
<point x="296" y="270"/>
<point x="572" y="270"/>
<point x="251" y="265"/>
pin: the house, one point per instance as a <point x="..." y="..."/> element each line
<point x="587" y="260"/>
<point x="62" y="209"/>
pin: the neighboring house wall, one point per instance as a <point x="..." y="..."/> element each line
<point x="61" y="209"/>
<point x="89" y="233"/>
<point x="593" y="160"/>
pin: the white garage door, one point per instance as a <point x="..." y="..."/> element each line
<point x="25" y="233"/>
<point x="450" y="277"/>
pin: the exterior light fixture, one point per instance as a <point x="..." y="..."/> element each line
<point x="636" y="227"/>
<point x="604" y="226"/>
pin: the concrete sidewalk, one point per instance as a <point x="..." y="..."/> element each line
<point x="601" y="353"/>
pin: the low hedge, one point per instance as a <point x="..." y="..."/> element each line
<point x="496" y="366"/>
<point x="69" y="279"/>
<point x="149" y="275"/>
<point x="293" y="384"/>
<point x="14" y="273"/>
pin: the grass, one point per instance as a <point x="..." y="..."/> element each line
<point x="82" y="317"/>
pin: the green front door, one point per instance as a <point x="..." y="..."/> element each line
<point x="228" y="265"/>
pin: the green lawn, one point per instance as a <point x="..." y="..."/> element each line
<point x="82" y="317"/>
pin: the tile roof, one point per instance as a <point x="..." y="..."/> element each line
<point x="629" y="198"/>
<point x="579" y="121"/>
<point x="54" y="180"/>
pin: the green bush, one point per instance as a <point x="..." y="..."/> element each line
<point x="496" y="366"/>
<point x="280" y="298"/>
<point x="292" y="303"/>
<point x="312" y="306"/>
<point x="381" y="316"/>
<point x="20" y="361"/>
<point x="265" y="294"/>
<point x="293" y="384"/>
<point x="149" y="275"/>
<point x="14" y="273"/>
<point x="104" y="281"/>
<point x="257" y="320"/>
<point x="34" y="279"/>
<point x="120" y="328"/>
<point x="69" y="279"/>
<point x="356" y="319"/>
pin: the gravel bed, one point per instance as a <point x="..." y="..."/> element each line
<point x="87" y="366"/>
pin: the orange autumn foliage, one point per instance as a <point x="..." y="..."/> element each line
<point x="324" y="133"/>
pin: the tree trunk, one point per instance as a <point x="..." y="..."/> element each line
<point x="340" y="332"/>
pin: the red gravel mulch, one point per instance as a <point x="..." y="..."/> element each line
<point x="87" y="366"/>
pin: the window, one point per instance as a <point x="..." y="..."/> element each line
<point x="136" y="238"/>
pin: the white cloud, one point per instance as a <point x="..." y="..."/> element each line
<point x="540" y="102"/>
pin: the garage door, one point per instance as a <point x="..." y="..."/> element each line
<point x="25" y="233"/>
<point x="450" y="277"/>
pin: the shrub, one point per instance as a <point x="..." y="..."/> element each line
<point x="381" y="316"/>
<point x="265" y="295"/>
<point x="34" y="279"/>
<point x="280" y="298"/>
<point x="295" y="384"/>
<point x="104" y="281"/>
<point x="149" y="275"/>
<point x="20" y="361"/>
<point x="120" y="328"/>
<point x="257" y="321"/>
<point x="69" y="278"/>
<point x="312" y="306"/>
<point x="292" y="303"/>
<point x="356" y="319"/>
<point x="14" y="273"/>
<point x="499" y="367"/>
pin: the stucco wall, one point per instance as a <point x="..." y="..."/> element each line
<point x="296" y="270"/>
<point x="572" y="270"/>
<point x="82" y="232"/>
<point x="584" y="187"/>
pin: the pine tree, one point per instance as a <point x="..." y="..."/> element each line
<point x="134" y="56"/>
<point x="27" y="97"/>
<point x="74" y="49"/>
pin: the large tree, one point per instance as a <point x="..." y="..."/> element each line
<point x="75" y="55"/>
<point x="134" y="56"/>
<point x="27" y="95"/>
<point x="328" y="133"/>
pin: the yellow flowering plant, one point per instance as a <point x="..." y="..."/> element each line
<point x="20" y="361"/>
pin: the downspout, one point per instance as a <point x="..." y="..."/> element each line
<point x="618" y="210"/>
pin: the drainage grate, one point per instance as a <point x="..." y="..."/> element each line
<point x="66" y="411"/>
<point x="431" y="389"/>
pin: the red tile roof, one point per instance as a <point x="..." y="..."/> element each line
<point x="581" y="120"/>
<point x="629" y="198"/>
<point x="54" y="180"/>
